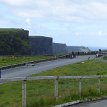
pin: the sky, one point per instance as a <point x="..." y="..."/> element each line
<point x="74" y="22"/>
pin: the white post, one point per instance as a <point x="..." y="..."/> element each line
<point x="0" y="73"/>
<point x="24" y="93"/>
<point x="56" y="88"/>
<point x="80" y="87"/>
<point x="98" y="86"/>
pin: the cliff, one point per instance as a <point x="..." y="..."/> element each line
<point x="41" y="45"/>
<point x="14" y="42"/>
<point x="78" y="49"/>
<point x="59" y="49"/>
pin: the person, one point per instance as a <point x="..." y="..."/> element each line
<point x="78" y="53"/>
<point x="88" y="58"/>
<point x="73" y="54"/>
<point x="96" y="55"/>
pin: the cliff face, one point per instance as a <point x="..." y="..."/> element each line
<point x="14" y="42"/>
<point x="18" y="42"/>
<point x="59" y="49"/>
<point x="78" y="49"/>
<point x="41" y="45"/>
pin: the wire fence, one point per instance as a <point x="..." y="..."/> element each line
<point x="59" y="88"/>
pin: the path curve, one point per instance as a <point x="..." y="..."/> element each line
<point x="24" y="71"/>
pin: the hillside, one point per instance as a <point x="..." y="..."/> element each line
<point x="14" y="42"/>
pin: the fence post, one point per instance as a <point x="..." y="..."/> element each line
<point x="0" y="73"/>
<point x="98" y="85"/>
<point x="56" y="87"/>
<point x="24" y="93"/>
<point x="80" y="87"/>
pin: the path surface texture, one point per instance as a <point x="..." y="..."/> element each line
<point x="30" y="69"/>
<point x="101" y="103"/>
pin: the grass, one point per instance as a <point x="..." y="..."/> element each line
<point x="105" y="57"/>
<point x="92" y="67"/>
<point x="9" y="60"/>
<point x="40" y="93"/>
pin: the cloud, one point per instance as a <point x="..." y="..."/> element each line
<point x="77" y="33"/>
<point x="14" y="2"/>
<point x="26" y="3"/>
<point x="99" y="10"/>
<point x="61" y="10"/>
<point x="100" y="33"/>
<point x="28" y="13"/>
<point x="28" y="21"/>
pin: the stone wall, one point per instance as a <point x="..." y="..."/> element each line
<point x="41" y="45"/>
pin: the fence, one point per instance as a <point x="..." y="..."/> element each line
<point x="55" y="78"/>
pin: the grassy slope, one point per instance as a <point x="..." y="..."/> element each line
<point x="9" y="60"/>
<point x="40" y="93"/>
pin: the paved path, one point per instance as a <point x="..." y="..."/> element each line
<point x="42" y="66"/>
<point x="101" y="103"/>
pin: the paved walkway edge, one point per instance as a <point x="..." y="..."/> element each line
<point x="80" y="101"/>
<point x="69" y="103"/>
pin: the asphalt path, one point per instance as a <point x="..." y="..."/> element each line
<point x="101" y="103"/>
<point x="30" y="69"/>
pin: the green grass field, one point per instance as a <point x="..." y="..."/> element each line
<point x="40" y="93"/>
<point x="105" y="57"/>
<point x="9" y="60"/>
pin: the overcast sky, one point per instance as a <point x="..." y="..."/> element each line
<point x="74" y="22"/>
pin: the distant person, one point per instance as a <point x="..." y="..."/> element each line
<point x="88" y="58"/>
<point x="78" y="53"/>
<point x="96" y="55"/>
<point x="70" y="55"/>
<point x="73" y="54"/>
<point x="100" y="51"/>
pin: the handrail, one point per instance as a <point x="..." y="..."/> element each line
<point x="52" y="77"/>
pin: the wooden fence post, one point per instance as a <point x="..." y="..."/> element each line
<point x="24" y="93"/>
<point x="98" y="85"/>
<point x="0" y="73"/>
<point x="56" y="88"/>
<point x="80" y="87"/>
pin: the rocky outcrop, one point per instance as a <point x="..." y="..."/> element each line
<point x="41" y="45"/>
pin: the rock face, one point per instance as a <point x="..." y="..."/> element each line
<point x="41" y="45"/>
<point x="14" y="42"/>
<point x="18" y="42"/>
<point x="78" y="49"/>
<point x="59" y="49"/>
